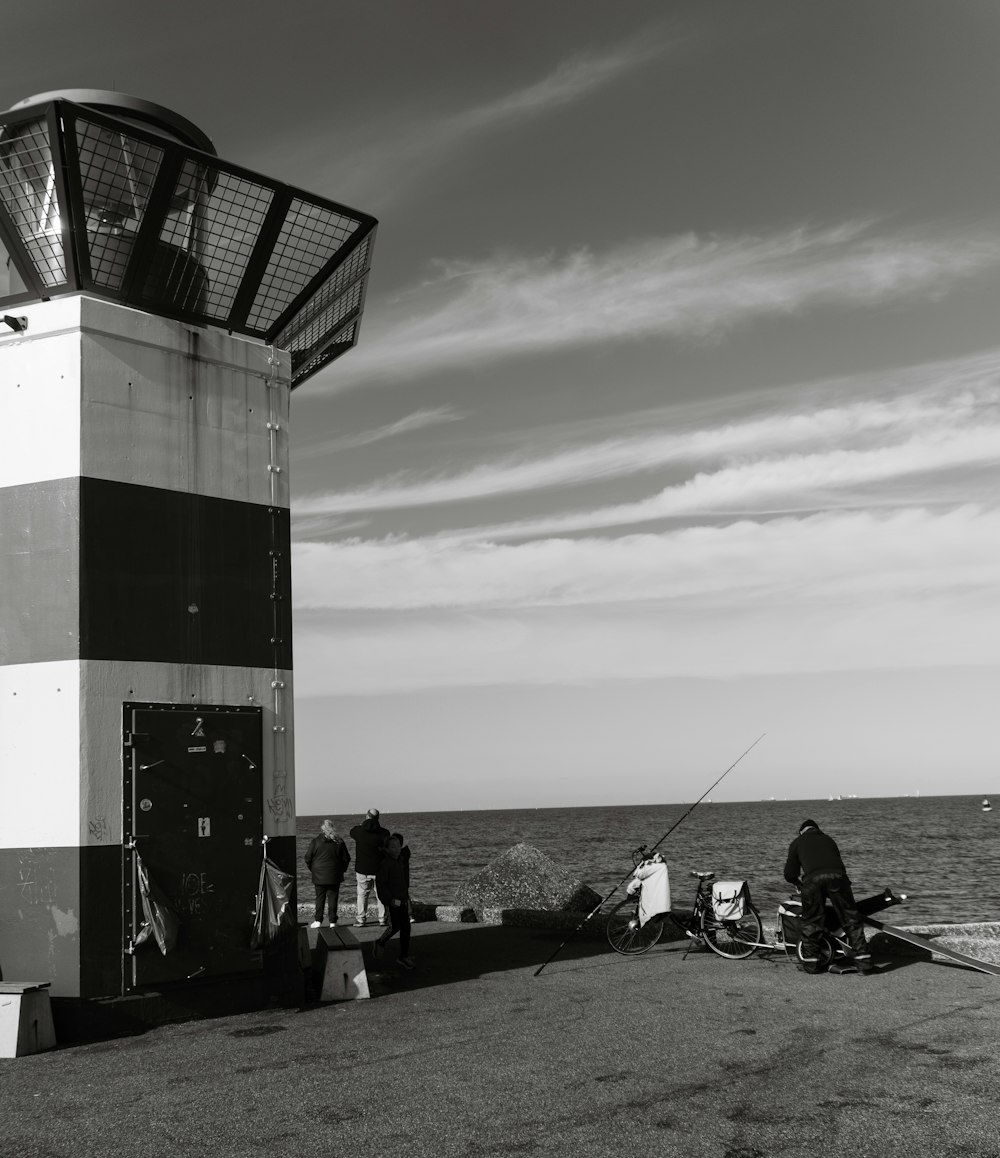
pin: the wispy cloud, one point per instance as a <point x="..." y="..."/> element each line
<point x="418" y="420"/>
<point x="767" y="484"/>
<point x="929" y="400"/>
<point x="904" y="586"/>
<point x="572" y="80"/>
<point x="394" y="161"/>
<point x="578" y="646"/>
<point x="468" y="313"/>
<point x="828" y="593"/>
<point x="826" y="557"/>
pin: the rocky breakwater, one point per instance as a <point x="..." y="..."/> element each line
<point x="526" y="888"/>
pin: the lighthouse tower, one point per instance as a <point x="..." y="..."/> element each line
<point x="158" y="307"/>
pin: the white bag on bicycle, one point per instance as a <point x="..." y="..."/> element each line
<point x="653" y="882"/>
<point x="729" y="900"/>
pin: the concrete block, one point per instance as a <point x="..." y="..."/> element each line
<point x="460" y="914"/>
<point x="340" y="966"/>
<point x="25" y="1018"/>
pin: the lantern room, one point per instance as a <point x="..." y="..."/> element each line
<point x="118" y="197"/>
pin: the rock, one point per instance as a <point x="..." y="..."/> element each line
<point x="525" y="878"/>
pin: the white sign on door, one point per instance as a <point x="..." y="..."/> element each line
<point x="204" y="826"/>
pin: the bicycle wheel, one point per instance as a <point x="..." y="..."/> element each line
<point x="733" y="939"/>
<point x="825" y="946"/>
<point x="625" y="934"/>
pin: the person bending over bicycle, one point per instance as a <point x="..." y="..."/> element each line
<point x="815" y="858"/>
<point x="652" y="882"/>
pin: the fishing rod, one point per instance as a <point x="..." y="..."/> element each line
<point x="604" y="900"/>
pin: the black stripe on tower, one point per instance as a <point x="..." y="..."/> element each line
<point x="164" y="576"/>
<point x="180" y="578"/>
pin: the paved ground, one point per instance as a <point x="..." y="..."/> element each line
<point x="601" y="1055"/>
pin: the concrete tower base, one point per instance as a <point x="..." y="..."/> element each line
<point x="144" y="559"/>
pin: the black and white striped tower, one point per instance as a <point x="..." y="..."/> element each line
<point x="160" y="306"/>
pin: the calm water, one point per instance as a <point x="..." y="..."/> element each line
<point x="942" y="851"/>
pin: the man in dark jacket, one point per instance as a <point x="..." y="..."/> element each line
<point x="327" y="859"/>
<point x="815" y="865"/>
<point x="369" y="842"/>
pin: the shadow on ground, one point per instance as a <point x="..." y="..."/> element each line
<point x="446" y="954"/>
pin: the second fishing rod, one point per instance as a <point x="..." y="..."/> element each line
<point x="649" y="852"/>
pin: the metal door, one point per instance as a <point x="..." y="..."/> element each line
<point x="193" y="811"/>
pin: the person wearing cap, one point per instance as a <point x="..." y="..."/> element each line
<point x="327" y="859"/>
<point x="815" y="865"/>
<point x="369" y="840"/>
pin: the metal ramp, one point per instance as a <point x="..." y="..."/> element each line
<point x="933" y="947"/>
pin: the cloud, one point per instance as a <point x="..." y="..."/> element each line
<point x="472" y="313"/>
<point x="829" y="557"/>
<point x="341" y="656"/>
<point x="959" y="394"/>
<point x="405" y="425"/>
<point x="571" y="81"/>
<point x="383" y="170"/>
<point x="833" y="592"/>
<point x="796" y="481"/>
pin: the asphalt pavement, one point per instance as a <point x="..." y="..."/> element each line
<point x="471" y="1054"/>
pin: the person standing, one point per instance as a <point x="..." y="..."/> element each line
<point x="369" y="838"/>
<point x="392" y="882"/>
<point x="815" y="865"/>
<point x="327" y="859"/>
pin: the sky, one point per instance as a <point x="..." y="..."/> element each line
<point x="675" y="415"/>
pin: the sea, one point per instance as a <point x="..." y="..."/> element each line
<point x="943" y="852"/>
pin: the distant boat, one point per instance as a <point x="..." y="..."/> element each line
<point x="987" y="807"/>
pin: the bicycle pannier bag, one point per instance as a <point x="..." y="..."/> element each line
<point x="790" y="922"/>
<point x="730" y="900"/>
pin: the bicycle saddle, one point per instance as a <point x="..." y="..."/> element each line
<point x="703" y="876"/>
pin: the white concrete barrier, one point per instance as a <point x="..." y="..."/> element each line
<point x="25" y="1018"/>
<point x="342" y="975"/>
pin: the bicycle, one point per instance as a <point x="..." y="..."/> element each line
<point x="734" y="939"/>
<point x="831" y="942"/>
